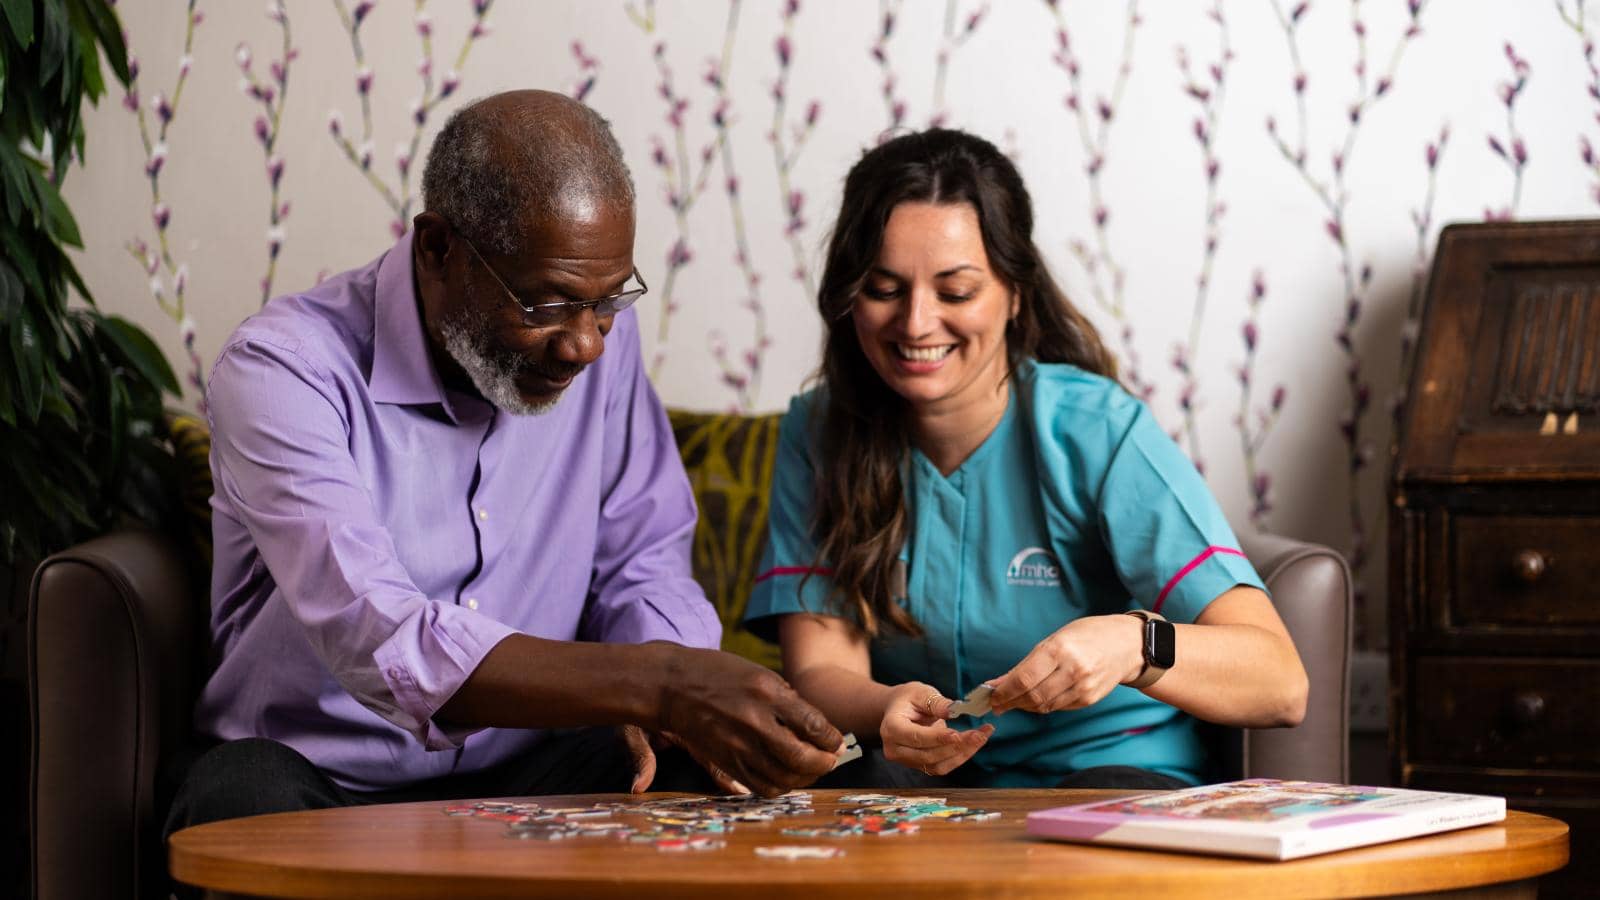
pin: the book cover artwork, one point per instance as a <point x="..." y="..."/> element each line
<point x="1266" y="818"/>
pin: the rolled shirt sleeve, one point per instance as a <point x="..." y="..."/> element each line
<point x="1169" y="540"/>
<point x="282" y="464"/>
<point x="643" y="588"/>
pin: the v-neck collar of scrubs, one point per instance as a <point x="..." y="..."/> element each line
<point x="958" y="478"/>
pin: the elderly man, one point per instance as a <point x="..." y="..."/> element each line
<point x="451" y="525"/>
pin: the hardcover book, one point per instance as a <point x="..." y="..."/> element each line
<point x="1265" y="818"/>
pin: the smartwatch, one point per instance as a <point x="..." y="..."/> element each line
<point x="1158" y="646"/>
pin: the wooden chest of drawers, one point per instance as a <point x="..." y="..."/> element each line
<point x="1495" y="532"/>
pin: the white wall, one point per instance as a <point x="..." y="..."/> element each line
<point x="1000" y="81"/>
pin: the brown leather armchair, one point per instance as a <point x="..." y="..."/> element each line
<point x="116" y="640"/>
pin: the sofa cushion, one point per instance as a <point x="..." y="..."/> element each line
<point x="191" y="445"/>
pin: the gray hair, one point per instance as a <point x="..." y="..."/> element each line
<point x="497" y="165"/>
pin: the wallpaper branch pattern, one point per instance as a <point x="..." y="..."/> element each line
<point x="683" y="186"/>
<point x="740" y="371"/>
<point x="158" y="260"/>
<point x="588" y="72"/>
<point x="1254" y="424"/>
<point x="1252" y="251"/>
<point x="1576" y="20"/>
<point x="271" y="95"/>
<point x="1422" y="221"/>
<point x="888" y="11"/>
<point x="1334" y="194"/>
<point x="1207" y="91"/>
<point x="953" y="40"/>
<point x="398" y="197"/>
<point x="788" y="140"/>
<point x="1107" y="277"/>
<point x="1513" y="150"/>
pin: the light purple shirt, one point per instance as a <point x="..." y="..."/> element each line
<point x="377" y="534"/>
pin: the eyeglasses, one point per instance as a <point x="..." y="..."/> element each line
<point x="544" y="315"/>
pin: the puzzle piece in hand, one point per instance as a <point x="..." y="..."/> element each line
<point x="850" y="750"/>
<point x="975" y="704"/>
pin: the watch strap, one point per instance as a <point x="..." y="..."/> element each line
<point x="1151" y="673"/>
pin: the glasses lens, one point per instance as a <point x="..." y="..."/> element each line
<point x="613" y="305"/>
<point x="545" y="316"/>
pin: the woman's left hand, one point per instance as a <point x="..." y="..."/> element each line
<point x="1074" y="667"/>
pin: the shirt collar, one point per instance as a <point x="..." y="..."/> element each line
<point x="402" y="369"/>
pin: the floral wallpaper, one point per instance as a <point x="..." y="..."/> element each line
<point x="1243" y="195"/>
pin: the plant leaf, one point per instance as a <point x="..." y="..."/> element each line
<point x="11" y="294"/>
<point x="119" y="422"/>
<point x="26" y="354"/>
<point x="109" y="31"/>
<point x="19" y="15"/>
<point x="58" y="219"/>
<point x="141" y="352"/>
<point x="8" y="413"/>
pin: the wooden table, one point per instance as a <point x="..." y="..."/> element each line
<point x="415" y="850"/>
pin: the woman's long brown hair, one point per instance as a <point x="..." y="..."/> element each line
<point x="860" y="440"/>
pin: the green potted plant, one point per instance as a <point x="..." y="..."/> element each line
<point x="83" y="445"/>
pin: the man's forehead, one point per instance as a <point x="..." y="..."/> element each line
<point x="590" y="229"/>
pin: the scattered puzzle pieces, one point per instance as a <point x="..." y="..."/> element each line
<point x="686" y="824"/>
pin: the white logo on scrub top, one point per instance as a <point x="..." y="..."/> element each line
<point x="1034" y="567"/>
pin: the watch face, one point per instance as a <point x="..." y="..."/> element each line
<point x="1159" y="644"/>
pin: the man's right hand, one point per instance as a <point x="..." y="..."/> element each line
<point x="744" y="722"/>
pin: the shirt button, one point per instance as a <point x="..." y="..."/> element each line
<point x="472" y="603"/>
<point x="483" y="514"/>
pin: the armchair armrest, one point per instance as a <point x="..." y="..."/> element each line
<point x="1311" y="589"/>
<point x="112" y="640"/>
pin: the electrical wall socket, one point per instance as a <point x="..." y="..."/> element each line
<point x="1369" y="692"/>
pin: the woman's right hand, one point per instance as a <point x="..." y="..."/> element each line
<point x="915" y="733"/>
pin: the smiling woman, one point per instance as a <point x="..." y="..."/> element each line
<point x="970" y="498"/>
<point x="932" y="316"/>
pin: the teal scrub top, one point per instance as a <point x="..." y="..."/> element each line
<point x="1077" y="504"/>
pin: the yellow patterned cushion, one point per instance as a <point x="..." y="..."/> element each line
<point x="191" y="444"/>
<point x="729" y="459"/>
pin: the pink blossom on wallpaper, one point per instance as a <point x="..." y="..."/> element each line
<point x="1334" y="196"/>
<point x="270" y="94"/>
<point x="788" y="140"/>
<point x="1511" y="148"/>
<point x="1576" y="20"/>
<point x="957" y="31"/>
<point x="889" y="10"/>
<point x="1106" y="276"/>
<point x="588" y="72"/>
<point x="359" y="152"/>
<point x="157" y="258"/>
<point x="1422" y="222"/>
<point x="1253" y="423"/>
<point x="681" y="185"/>
<point x="741" y="372"/>
<point x="1206" y="86"/>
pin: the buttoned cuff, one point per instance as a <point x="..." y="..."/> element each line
<point x="426" y="661"/>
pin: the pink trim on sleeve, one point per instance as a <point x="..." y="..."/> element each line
<point x="1193" y="564"/>
<point x="775" y="571"/>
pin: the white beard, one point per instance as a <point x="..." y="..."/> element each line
<point x="466" y="339"/>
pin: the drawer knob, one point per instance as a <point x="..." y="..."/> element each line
<point x="1531" y="565"/>
<point x="1527" y="708"/>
